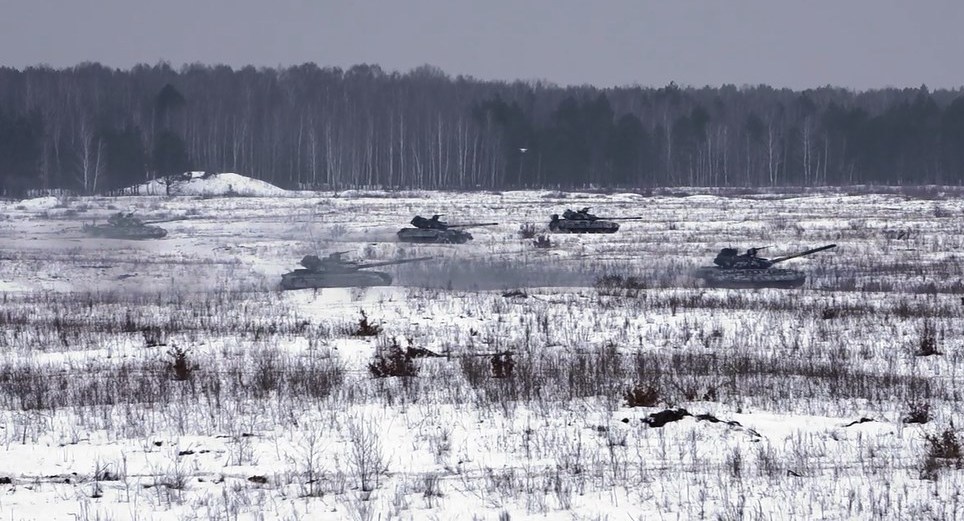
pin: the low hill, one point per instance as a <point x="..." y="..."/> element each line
<point x="209" y="184"/>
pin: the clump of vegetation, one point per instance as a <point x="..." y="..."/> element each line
<point x="698" y="391"/>
<point x="642" y="396"/>
<point x="527" y="231"/>
<point x="829" y="313"/>
<point x="943" y="451"/>
<point x="153" y="336"/>
<point x="919" y="413"/>
<point x="620" y="285"/>
<point x="502" y="365"/>
<point x="940" y="211"/>
<point x="475" y="370"/>
<point x="542" y="241"/>
<point x="393" y="360"/>
<point x="179" y="363"/>
<point x="366" y="328"/>
<point x="102" y="472"/>
<point x="927" y="345"/>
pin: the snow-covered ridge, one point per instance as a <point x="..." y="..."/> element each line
<point x="209" y="184"/>
<point x="38" y="203"/>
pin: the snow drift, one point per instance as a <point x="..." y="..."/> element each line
<point x="209" y="184"/>
<point x="38" y="203"/>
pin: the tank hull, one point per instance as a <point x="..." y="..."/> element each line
<point x="716" y="277"/>
<point x="432" y="236"/>
<point x="307" y="279"/>
<point x="124" y="232"/>
<point x="577" y="226"/>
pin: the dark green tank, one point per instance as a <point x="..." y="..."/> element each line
<point x="748" y="270"/>
<point x="125" y="226"/>
<point x="434" y="231"/>
<point x="581" y="221"/>
<point x="334" y="272"/>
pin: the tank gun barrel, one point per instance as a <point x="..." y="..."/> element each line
<point x="801" y="254"/>
<point x="389" y="263"/>
<point x="471" y="225"/>
<point x="158" y="221"/>
<point x="609" y="217"/>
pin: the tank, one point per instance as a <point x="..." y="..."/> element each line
<point x="748" y="270"/>
<point x="126" y="226"/>
<point x="582" y="221"/>
<point x="334" y="272"/>
<point x="434" y="231"/>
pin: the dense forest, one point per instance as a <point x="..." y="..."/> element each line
<point x="93" y="129"/>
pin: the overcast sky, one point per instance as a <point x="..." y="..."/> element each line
<point x="804" y="43"/>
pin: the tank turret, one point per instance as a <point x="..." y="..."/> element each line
<point x="332" y="271"/>
<point x="748" y="270"/>
<point x="434" y="231"/>
<point x="581" y="221"/>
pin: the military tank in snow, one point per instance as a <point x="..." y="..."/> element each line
<point x="334" y="272"/>
<point x="434" y="231"/>
<point x="581" y="221"/>
<point x="748" y="270"/>
<point x="126" y="226"/>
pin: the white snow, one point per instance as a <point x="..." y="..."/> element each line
<point x="38" y="203"/>
<point x="213" y="184"/>
<point x="80" y="439"/>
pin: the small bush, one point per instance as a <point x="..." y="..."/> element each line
<point x="943" y="451"/>
<point x="102" y="472"/>
<point x="153" y="336"/>
<point x="696" y="389"/>
<point x="502" y="365"/>
<point x="392" y="361"/>
<point x="475" y="370"/>
<point x="179" y="365"/>
<point x="366" y="328"/>
<point x="830" y="313"/>
<point x="619" y="285"/>
<point x="642" y="396"/>
<point x="919" y="413"/>
<point x="734" y="463"/>
<point x="927" y="345"/>
<point x="527" y="231"/>
<point x="315" y="378"/>
<point x="945" y="446"/>
<point x="940" y="211"/>
<point x="366" y="455"/>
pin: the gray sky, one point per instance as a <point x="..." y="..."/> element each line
<point x="804" y="43"/>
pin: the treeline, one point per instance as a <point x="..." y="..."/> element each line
<point x="93" y="129"/>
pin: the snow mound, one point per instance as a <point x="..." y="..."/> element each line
<point x="209" y="184"/>
<point x="38" y="203"/>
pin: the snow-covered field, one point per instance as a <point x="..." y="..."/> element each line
<point x="171" y="379"/>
